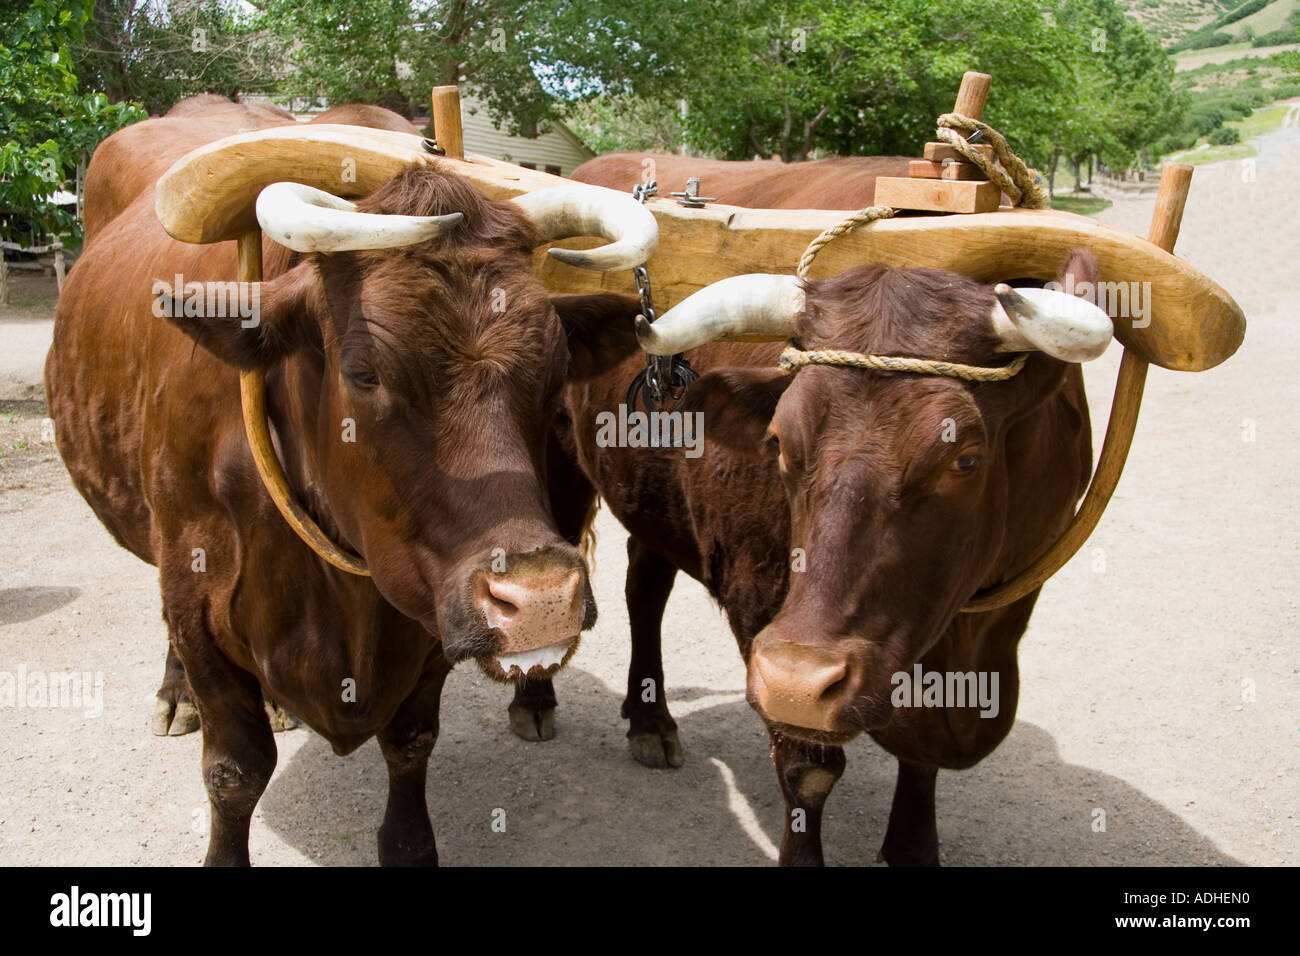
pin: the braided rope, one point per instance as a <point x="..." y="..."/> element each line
<point x="860" y="218"/>
<point x="793" y="359"/>
<point x="1015" y="178"/>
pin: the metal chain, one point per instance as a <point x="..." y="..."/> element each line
<point x="664" y="376"/>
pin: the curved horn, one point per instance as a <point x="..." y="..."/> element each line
<point x="580" y="210"/>
<point x="749" y="308"/>
<point x="307" y="219"/>
<point x="1064" y="326"/>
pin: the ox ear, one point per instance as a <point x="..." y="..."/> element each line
<point x="248" y="325"/>
<point x="1080" y="267"/>
<point x="600" y="329"/>
<point x="737" y="404"/>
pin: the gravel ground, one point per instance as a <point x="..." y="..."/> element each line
<point x="1161" y="681"/>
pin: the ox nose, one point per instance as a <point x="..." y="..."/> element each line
<point x="799" y="684"/>
<point x="533" y="613"/>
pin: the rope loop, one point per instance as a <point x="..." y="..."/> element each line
<point x="793" y="359"/>
<point x="1014" y="177"/>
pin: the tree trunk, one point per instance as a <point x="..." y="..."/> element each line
<point x="785" y="132"/>
<point x="1074" y="163"/>
<point x="1051" y="172"/>
<point x="809" y="129"/>
<point x="753" y="135"/>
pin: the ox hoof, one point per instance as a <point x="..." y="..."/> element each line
<point x="174" y="718"/>
<point x="532" y="724"/>
<point x="925" y="857"/>
<point x="281" y="720"/>
<point x="660" y="749"/>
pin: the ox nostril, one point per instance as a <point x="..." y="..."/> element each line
<point x="504" y="599"/>
<point x="799" y="685"/>
<point x="533" y="608"/>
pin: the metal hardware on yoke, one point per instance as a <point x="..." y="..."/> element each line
<point x="664" y="376"/>
<point x="692" y="199"/>
<point x="431" y="146"/>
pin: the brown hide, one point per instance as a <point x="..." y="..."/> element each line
<point x="451" y="400"/>
<point x="890" y="556"/>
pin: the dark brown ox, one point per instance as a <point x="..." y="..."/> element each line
<point x="843" y="516"/>
<point x="841" y="182"/>
<point x="441" y="355"/>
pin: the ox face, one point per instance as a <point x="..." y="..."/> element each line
<point x="417" y="388"/>
<point x="900" y="487"/>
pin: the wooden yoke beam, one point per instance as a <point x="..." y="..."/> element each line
<point x="208" y="196"/>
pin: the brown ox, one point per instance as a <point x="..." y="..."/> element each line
<point x="441" y="354"/>
<point x="843" y="516"/>
<point x="841" y="182"/>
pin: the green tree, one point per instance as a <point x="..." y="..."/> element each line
<point x="515" y="55"/>
<point x="48" y="128"/>
<point x="1122" y="80"/>
<point x="157" y="52"/>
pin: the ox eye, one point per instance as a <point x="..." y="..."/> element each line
<point x="965" y="464"/>
<point x="362" y="378"/>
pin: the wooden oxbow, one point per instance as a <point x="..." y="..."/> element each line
<point x="1191" y="323"/>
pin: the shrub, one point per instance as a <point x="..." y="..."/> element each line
<point x="1275" y="37"/>
<point x="1225" y="136"/>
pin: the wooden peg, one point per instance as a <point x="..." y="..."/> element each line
<point x="1167" y="219"/>
<point x="446" y="121"/>
<point x="974" y="93"/>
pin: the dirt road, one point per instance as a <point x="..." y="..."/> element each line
<point x="1161" y="671"/>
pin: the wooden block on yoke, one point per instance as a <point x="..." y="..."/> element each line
<point x="925" y="169"/>
<point x="937" y="195"/>
<point x="938" y="152"/>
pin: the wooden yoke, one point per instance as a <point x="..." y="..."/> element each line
<point x="1175" y="181"/>
<point x="208" y="196"/>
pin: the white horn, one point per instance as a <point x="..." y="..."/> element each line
<point x="1064" y="326"/>
<point x="580" y="210"/>
<point x="307" y="219"/>
<point x="749" y="308"/>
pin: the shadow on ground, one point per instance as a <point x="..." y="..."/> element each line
<point x="27" y="604"/>
<point x="580" y="799"/>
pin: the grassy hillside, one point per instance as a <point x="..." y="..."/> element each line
<point x="1171" y="20"/>
<point x="1262" y="22"/>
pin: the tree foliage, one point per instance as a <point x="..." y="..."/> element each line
<point x="47" y="126"/>
<point x="157" y="52"/>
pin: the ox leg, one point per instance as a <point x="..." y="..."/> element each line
<point x="912" y="838"/>
<point x="532" y="712"/>
<point x="238" y="746"/>
<point x="573" y="503"/>
<point x="406" y="836"/>
<point x="652" y="733"/>
<point x="174" y="713"/>
<point x="806" y="772"/>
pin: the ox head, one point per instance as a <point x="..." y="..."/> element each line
<point x="907" y="493"/>
<point x="414" y="364"/>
